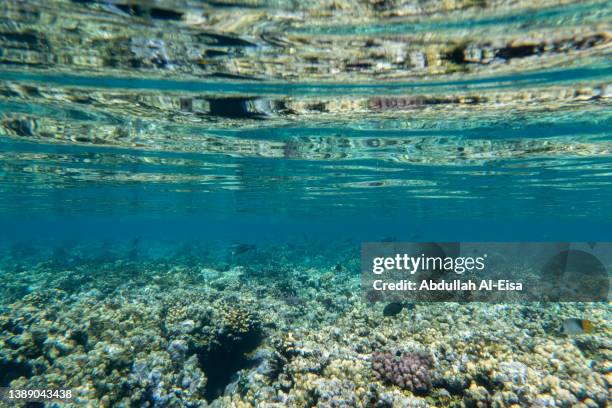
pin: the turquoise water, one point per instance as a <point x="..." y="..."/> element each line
<point x="538" y="167"/>
<point x="547" y="170"/>
<point x="185" y="185"/>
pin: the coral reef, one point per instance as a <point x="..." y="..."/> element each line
<point x="192" y="335"/>
<point x="409" y="370"/>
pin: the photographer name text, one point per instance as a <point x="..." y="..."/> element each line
<point x="455" y="285"/>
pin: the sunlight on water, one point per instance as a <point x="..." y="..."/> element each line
<point x="303" y="107"/>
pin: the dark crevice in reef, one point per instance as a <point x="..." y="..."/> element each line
<point x="520" y="51"/>
<point x="221" y="4"/>
<point x="11" y="370"/>
<point x="154" y="13"/>
<point x="352" y="66"/>
<point x="223" y="361"/>
<point x="232" y="76"/>
<point x="164" y="14"/>
<point x="231" y="108"/>
<point x="223" y="40"/>
<point x="31" y="39"/>
<point x="215" y="53"/>
<point x="457" y="55"/>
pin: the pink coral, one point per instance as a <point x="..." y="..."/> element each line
<point x="409" y="370"/>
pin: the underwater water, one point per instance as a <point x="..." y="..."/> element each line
<point x="185" y="186"/>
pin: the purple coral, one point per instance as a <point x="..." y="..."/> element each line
<point x="409" y="370"/>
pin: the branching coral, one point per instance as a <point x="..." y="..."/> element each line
<point x="240" y="322"/>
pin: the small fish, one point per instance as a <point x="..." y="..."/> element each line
<point x="242" y="248"/>
<point x="392" y="309"/>
<point x="577" y="326"/>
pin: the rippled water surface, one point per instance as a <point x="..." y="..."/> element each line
<point x="435" y="110"/>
